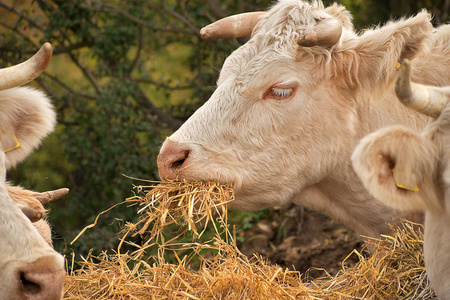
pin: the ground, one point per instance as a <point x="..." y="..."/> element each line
<point x="309" y="241"/>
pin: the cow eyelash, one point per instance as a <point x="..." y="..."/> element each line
<point x="282" y="92"/>
<point x="279" y="93"/>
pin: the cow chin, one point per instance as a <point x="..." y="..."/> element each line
<point x="251" y="200"/>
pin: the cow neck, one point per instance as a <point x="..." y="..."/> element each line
<point x="386" y="111"/>
<point x="343" y="198"/>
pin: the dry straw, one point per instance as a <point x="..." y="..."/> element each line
<point x="394" y="270"/>
<point x="191" y="206"/>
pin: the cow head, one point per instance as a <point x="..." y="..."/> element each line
<point x="284" y="113"/>
<point x="29" y="267"/>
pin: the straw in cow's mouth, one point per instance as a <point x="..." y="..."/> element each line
<point x="191" y="204"/>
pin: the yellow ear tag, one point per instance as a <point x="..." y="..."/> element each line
<point x="404" y="187"/>
<point x="398" y="65"/>
<point x="16" y="146"/>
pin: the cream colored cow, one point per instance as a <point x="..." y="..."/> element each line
<point x="410" y="171"/>
<point x="29" y="267"/>
<point x="292" y="103"/>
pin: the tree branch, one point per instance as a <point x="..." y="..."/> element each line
<point x="66" y="87"/>
<point x="217" y="10"/>
<point x="29" y="20"/>
<point x="67" y="49"/>
<point x="139" y="49"/>
<point x="165" y="85"/>
<point x="180" y="18"/>
<point x="87" y="73"/>
<point x="114" y="9"/>
<point x="161" y="117"/>
<point x="22" y="35"/>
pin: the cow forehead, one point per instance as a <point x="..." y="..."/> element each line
<point x="288" y="17"/>
<point x="243" y="65"/>
<point x="286" y="22"/>
<point x="274" y="37"/>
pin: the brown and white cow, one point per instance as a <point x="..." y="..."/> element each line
<point x="411" y="171"/>
<point x="29" y="267"/>
<point x="292" y="103"/>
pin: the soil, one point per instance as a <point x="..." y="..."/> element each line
<point x="304" y="240"/>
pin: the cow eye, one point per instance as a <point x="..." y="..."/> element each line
<point x="279" y="93"/>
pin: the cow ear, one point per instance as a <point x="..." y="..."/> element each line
<point x="26" y="116"/>
<point x="396" y="166"/>
<point x="380" y="50"/>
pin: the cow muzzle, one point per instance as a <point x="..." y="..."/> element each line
<point x="173" y="160"/>
<point x="40" y="280"/>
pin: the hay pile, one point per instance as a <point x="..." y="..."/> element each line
<point x="394" y="271"/>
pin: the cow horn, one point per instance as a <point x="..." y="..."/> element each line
<point x="236" y="26"/>
<point x="28" y="70"/>
<point x="326" y="33"/>
<point x="33" y="214"/>
<point x="424" y="99"/>
<point x="50" y="196"/>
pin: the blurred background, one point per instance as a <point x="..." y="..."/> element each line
<point x="126" y="74"/>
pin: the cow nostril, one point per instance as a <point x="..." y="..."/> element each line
<point x="173" y="159"/>
<point x="29" y="287"/>
<point x="176" y="165"/>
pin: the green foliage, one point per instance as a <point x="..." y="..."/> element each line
<point x="246" y="220"/>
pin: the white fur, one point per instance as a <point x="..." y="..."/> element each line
<point x="28" y="114"/>
<point x="299" y="150"/>
<point x="437" y="252"/>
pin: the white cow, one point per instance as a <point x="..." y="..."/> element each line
<point x="29" y="267"/>
<point x="292" y="103"/>
<point x="411" y="171"/>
